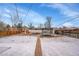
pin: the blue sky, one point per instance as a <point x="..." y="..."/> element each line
<point x="38" y="12"/>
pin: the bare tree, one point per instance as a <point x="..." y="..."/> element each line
<point x="15" y="18"/>
<point x="2" y="26"/>
<point x="30" y="25"/>
<point x="40" y="26"/>
<point x="48" y="22"/>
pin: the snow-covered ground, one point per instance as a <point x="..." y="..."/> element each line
<point x="60" y="46"/>
<point x="25" y="46"/>
<point x="17" y="45"/>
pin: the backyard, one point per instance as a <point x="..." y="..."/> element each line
<point x="21" y="45"/>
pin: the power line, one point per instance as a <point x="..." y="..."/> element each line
<point x="68" y="20"/>
<point x="17" y="14"/>
<point x="30" y="7"/>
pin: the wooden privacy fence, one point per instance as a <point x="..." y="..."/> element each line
<point x="7" y="33"/>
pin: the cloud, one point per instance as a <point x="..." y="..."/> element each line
<point x="27" y="17"/>
<point x="36" y="17"/>
<point x="7" y="10"/>
<point x="68" y="24"/>
<point x="6" y="15"/>
<point x="64" y="9"/>
<point x="33" y="17"/>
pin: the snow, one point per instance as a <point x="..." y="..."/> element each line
<point x="20" y="45"/>
<point x="60" y="46"/>
<point x="25" y="46"/>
